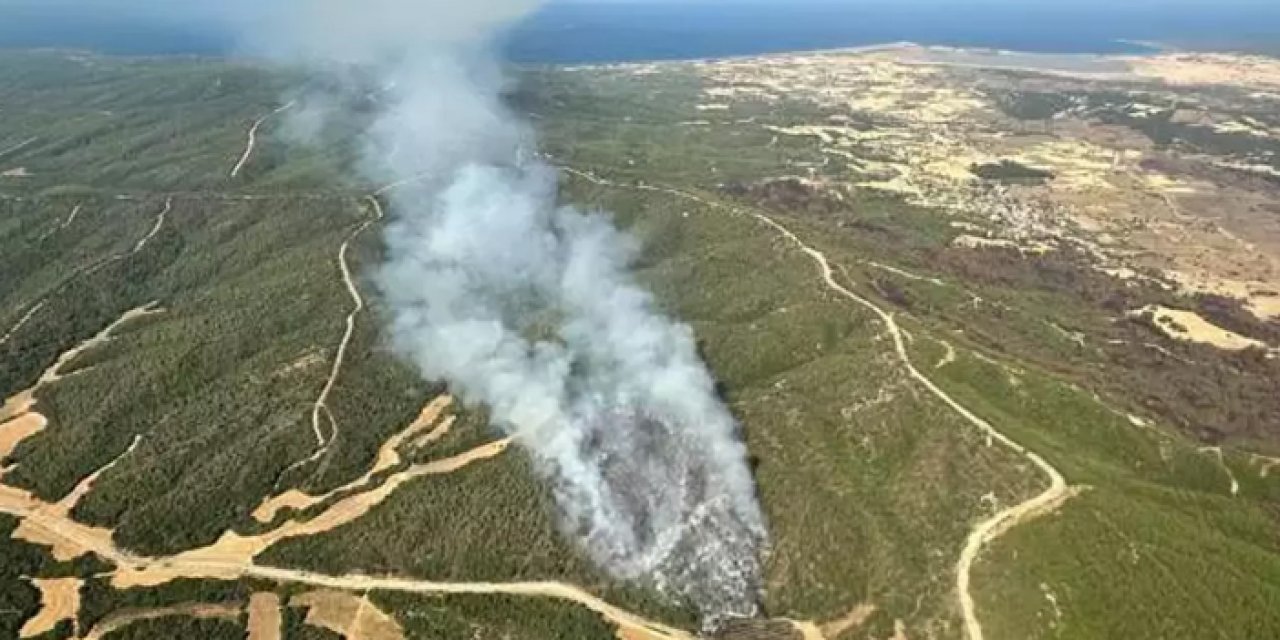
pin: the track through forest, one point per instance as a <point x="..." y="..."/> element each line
<point x="253" y="140"/>
<point x="985" y="531"/>
<point x="321" y="407"/>
<point x="232" y="556"/>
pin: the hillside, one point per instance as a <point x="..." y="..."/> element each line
<point x="1001" y="335"/>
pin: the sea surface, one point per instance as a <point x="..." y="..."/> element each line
<point x="612" y="31"/>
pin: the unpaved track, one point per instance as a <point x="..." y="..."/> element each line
<point x="388" y="457"/>
<point x="321" y="406"/>
<point x="349" y="615"/>
<point x="1222" y="462"/>
<point x="238" y="552"/>
<point x="18" y="147"/>
<point x="90" y="269"/>
<point x="35" y="308"/>
<point x="232" y="557"/>
<point x="253" y="139"/>
<point x="168" y="206"/>
<point x="555" y="590"/>
<point x="115" y="622"/>
<point x="985" y="531"/>
<point x="75" y="211"/>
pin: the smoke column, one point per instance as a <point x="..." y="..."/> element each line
<point x="528" y="307"/>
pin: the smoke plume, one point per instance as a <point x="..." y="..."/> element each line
<point x="527" y="307"/>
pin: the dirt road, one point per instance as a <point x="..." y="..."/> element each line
<point x="253" y="139"/>
<point x="141" y="244"/>
<point x="26" y="317"/>
<point x="18" y="147"/>
<point x="321" y="407"/>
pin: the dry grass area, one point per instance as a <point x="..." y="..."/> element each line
<point x="1210" y="69"/>
<point x="1189" y="326"/>
<point x="227" y="558"/>
<point x="59" y="600"/>
<point x="354" y="618"/>
<point x="50" y="524"/>
<point x="915" y="122"/>
<point x="264" y="616"/>
<point x="18" y="429"/>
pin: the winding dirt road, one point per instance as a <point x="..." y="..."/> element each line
<point x="253" y="139"/>
<point x="231" y="557"/>
<point x="321" y="406"/>
<point x="985" y="531"/>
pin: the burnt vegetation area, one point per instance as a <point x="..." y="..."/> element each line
<point x="870" y="487"/>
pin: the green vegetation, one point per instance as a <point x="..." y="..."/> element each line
<point x="179" y="627"/>
<point x="1009" y="171"/>
<point x="19" y="600"/>
<point x="869" y="483"/>
<point x="1032" y="105"/>
<point x="98" y="599"/>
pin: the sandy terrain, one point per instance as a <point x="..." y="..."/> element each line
<point x="232" y="553"/>
<point x="264" y="616"/>
<point x="1188" y="326"/>
<point x="59" y="600"/>
<point x="388" y="457"/>
<point x="15" y="431"/>
<point x="355" y="618"/>
<point x="934" y="119"/>
<point x="1210" y="69"/>
<point x="231" y="557"/>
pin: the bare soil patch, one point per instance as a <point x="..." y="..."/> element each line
<point x="264" y="616"/>
<point x="59" y="600"/>
<point x="353" y="617"/>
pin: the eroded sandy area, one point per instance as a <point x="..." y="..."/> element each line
<point x="265" y="617"/>
<point x="426" y="429"/>
<point x="1189" y="326"/>
<point x="353" y="617"/>
<point x="917" y="122"/>
<point x="59" y="600"/>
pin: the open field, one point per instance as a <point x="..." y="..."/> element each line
<point x="1001" y="341"/>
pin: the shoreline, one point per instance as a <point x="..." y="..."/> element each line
<point x="230" y="56"/>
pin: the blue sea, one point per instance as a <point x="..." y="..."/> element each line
<point x="610" y="31"/>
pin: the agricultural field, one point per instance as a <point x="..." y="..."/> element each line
<point x="1002" y="337"/>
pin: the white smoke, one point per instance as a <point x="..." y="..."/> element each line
<point x="528" y="307"/>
